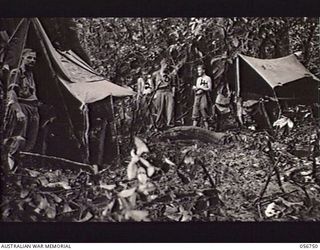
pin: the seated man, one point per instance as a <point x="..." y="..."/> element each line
<point x="23" y="116"/>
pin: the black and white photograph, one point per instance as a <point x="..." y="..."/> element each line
<point x="160" y="119"/>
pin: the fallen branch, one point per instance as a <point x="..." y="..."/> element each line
<point x="266" y="200"/>
<point x="54" y="158"/>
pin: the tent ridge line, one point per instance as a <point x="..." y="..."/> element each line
<point x="61" y="53"/>
<point x="253" y="67"/>
<point x="280" y="83"/>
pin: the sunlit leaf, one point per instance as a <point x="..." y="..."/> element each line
<point x="43" y="181"/>
<point x="132" y="200"/>
<point x="282" y="122"/>
<point x="95" y="169"/>
<point x="127" y="192"/>
<point x="66" y="208"/>
<point x="24" y="193"/>
<point x="32" y="173"/>
<point x="168" y="161"/>
<point x="63" y="184"/>
<point x="188" y="160"/>
<point x="141" y="146"/>
<point x="56" y="198"/>
<point x="43" y="203"/>
<point x="107" y="187"/>
<point x="272" y="210"/>
<point x="86" y="218"/>
<point x="146" y="188"/>
<point x="142" y="175"/>
<point x="145" y="162"/>
<point x="150" y="171"/>
<point x="6" y="212"/>
<point x="137" y="215"/>
<point x="51" y="211"/>
<point x="132" y="170"/>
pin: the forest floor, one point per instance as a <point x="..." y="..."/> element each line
<point x="176" y="180"/>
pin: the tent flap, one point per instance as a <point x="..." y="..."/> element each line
<point x="89" y="92"/>
<point x="78" y="77"/>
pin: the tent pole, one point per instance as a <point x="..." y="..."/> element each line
<point x="132" y="127"/>
<point x="266" y="116"/>
<point x="115" y="129"/>
<point x="56" y="81"/>
<point x="86" y="124"/>
<point x="238" y="100"/>
<point x="102" y="138"/>
<point x="237" y="76"/>
<point x="278" y="103"/>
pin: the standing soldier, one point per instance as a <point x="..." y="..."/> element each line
<point x="23" y="115"/>
<point x="164" y="96"/>
<point x="201" y="100"/>
<point x="144" y="90"/>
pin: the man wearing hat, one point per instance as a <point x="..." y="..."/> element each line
<point x="23" y="116"/>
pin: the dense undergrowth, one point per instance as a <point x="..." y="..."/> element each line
<point x="179" y="180"/>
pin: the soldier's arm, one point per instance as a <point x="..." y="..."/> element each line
<point x="12" y="87"/>
<point x="195" y="87"/>
<point x="13" y="102"/>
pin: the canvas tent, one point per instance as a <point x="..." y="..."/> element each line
<point x="284" y="78"/>
<point x="64" y="80"/>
